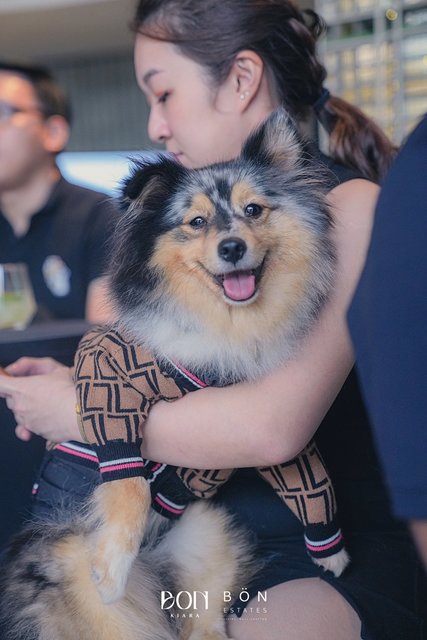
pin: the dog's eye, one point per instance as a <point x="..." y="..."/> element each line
<point x="198" y="222"/>
<point x="253" y="210"/>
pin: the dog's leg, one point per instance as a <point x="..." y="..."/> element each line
<point x="306" y="488"/>
<point x="119" y="509"/>
<point x="204" y="483"/>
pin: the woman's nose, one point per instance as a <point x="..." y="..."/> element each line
<point x="158" y="130"/>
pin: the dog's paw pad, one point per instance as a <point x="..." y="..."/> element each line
<point x="109" y="584"/>
<point x="110" y="590"/>
<point x="97" y="576"/>
<point x="110" y="572"/>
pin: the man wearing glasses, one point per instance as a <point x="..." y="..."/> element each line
<point x="58" y="229"/>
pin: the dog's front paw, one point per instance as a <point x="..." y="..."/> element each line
<point x="110" y="571"/>
<point x="336" y="563"/>
<point x="119" y="511"/>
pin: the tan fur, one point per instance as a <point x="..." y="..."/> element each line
<point x="74" y="557"/>
<point x="203" y="552"/>
<point x="187" y="269"/>
<point x="201" y="205"/>
<point x="121" y="508"/>
<point x="217" y="564"/>
<point x="242" y="193"/>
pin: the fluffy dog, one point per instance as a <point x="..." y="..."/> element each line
<point x="217" y="274"/>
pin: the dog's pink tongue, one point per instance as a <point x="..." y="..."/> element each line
<point x="239" y="286"/>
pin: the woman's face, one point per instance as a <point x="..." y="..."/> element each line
<point x="197" y="123"/>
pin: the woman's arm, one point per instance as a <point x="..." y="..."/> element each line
<point x="255" y="424"/>
<point x="270" y="421"/>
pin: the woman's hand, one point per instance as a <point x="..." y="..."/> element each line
<point x="40" y="392"/>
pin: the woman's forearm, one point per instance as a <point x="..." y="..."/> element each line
<point x="256" y="424"/>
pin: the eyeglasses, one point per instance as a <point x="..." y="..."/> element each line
<point x="7" y="111"/>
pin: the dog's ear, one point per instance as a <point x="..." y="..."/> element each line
<point x="147" y="177"/>
<point x="275" y="141"/>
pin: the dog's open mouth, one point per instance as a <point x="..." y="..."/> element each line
<point x="240" y="285"/>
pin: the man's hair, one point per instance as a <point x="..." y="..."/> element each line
<point x="51" y="97"/>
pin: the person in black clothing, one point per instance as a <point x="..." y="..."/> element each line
<point x="211" y="72"/>
<point x="387" y="321"/>
<point x="58" y="229"/>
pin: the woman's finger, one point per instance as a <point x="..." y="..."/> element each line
<point x="27" y="366"/>
<point x="7" y="386"/>
<point x="22" y="433"/>
<point x="10" y="402"/>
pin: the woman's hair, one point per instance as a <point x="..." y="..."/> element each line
<point x="212" y="32"/>
<point x="51" y="98"/>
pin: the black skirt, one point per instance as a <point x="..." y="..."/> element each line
<point x="384" y="583"/>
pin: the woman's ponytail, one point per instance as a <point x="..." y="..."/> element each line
<point x="354" y="139"/>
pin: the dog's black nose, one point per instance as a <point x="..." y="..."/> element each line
<point x="232" y="249"/>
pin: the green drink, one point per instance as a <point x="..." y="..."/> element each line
<point x="17" y="306"/>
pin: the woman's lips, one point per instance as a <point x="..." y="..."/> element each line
<point x="177" y="157"/>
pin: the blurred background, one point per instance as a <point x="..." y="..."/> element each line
<point x="375" y="52"/>
<point x="376" y="56"/>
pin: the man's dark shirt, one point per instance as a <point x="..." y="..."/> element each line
<point x="65" y="248"/>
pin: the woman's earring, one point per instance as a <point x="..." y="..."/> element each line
<point x="244" y="95"/>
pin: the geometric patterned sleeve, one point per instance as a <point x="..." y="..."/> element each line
<point x="117" y="382"/>
<point x="306" y="488"/>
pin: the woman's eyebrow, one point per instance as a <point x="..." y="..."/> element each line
<point x="149" y="74"/>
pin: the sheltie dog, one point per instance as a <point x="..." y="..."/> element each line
<point x="217" y="273"/>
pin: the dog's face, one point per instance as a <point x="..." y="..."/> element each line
<point x="221" y="241"/>
<point x="236" y="244"/>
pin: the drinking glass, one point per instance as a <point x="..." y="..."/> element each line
<point x="17" y="303"/>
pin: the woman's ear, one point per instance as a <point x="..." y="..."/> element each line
<point x="247" y="71"/>
<point x="56" y="134"/>
<point x="243" y="82"/>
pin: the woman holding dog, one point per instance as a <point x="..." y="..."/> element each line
<point x="206" y="94"/>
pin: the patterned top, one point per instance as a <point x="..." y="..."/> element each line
<point x="118" y="381"/>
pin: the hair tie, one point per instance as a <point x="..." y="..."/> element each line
<point x="321" y="100"/>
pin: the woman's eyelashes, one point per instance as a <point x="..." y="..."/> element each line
<point x="162" y="98"/>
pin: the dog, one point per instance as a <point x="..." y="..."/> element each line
<point x="217" y="274"/>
